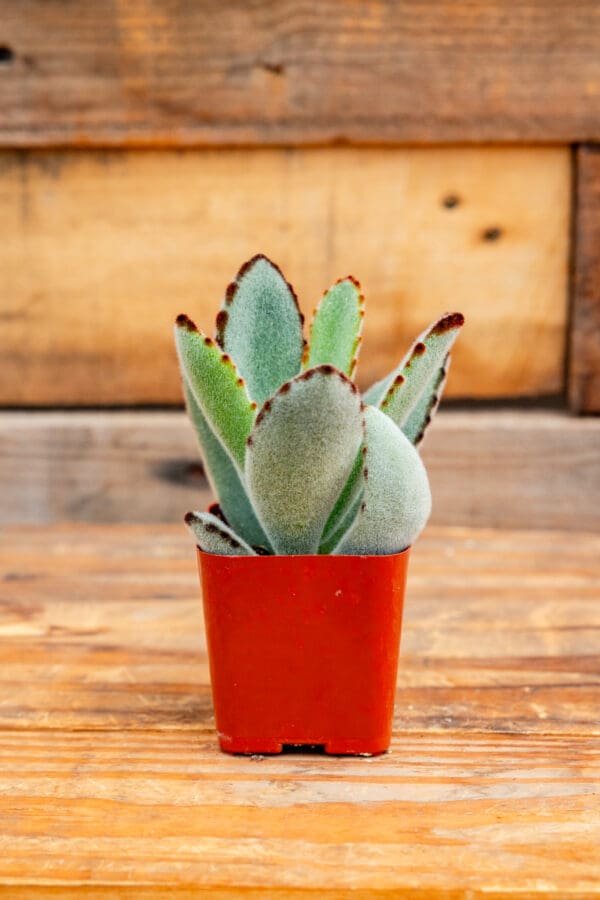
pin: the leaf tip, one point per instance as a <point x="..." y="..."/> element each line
<point x="448" y="323"/>
<point x="183" y="321"/>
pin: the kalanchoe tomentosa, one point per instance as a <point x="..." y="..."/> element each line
<point x="300" y="463"/>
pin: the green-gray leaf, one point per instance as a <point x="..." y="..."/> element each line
<point x="419" y="419"/>
<point x="336" y="327"/>
<point x="396" y="501"/>
<point x="401" y="390"/>
<point x="300" y="453"/>
<point x="346" y="506"/>
<point x="213" y="536"/>
<point x="223" y="477"/>
<point x="217" y="388"/>
<point x="260" y="326"/>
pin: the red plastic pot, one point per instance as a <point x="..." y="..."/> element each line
<point x="303" y="649"/>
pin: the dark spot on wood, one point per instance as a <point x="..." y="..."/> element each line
<point x="7" y="54"/>
<point x="493" y="233"/>
<point x="180" y="472"/>
<point x="184" y="321"/>
<point x="18" y="576"/>
<point x="451" y="201"/>
<point x="275" y="68"/>
<point x="447" y="322"/>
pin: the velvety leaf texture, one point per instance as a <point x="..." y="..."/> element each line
<point x="419" y="419"/>
<point x="400" y="392"/>
<point x="397" y="500"/>
<point x="217" y="388"/>
<point x="336" y="327"/>
<point x="223" y="477"/>
<point x="346" y="506"/>
<point x="300" y="454"/>
<point x="213" y="536"/>
<point x="260" y="325"/>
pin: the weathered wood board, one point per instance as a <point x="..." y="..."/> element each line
<point x="178" y="72"/>
<point x="111" y="785"/>
<point x="584" y="351"/>
<point x="101" y="250"/>
<point x="505" y="469"/>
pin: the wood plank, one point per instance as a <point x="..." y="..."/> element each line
<point x="102" y="250"/>
<point x="506" y="469"/>
<point x="187" y="73"/>
<point x="110" y="777"/>
<point x="584" y="356"/>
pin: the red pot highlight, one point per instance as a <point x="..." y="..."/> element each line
<point x="303" y="649"/>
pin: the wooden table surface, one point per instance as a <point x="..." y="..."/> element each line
<point x="112" y="786"/>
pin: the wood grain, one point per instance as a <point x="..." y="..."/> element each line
<point x="110" y="778"/>
<point x="498" y="468"/>
<point x="102" y="250"/>
<point x="584" y="356"/>
<point x="187" y="73"/>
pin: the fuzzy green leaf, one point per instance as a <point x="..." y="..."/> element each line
<point x="300" y="454"/>
<point x="396" y="501"/>
<point x="217" y="388"/>
<point x="419" y="419"/>
<point x="214" y="536"/>
<point x="399" y="393"/>
<point x="223" y="477"/>
<point x="260" y="326"/>
<point x="336" y="327"/>
<point x="346" y="506"/>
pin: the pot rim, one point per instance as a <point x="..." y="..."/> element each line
<point x="305" y="556"/>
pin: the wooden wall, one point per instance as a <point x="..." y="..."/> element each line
<point x="445" y="154"/>
<point x="102" y="249"/>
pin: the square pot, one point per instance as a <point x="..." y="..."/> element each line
<point x="303" y="649"/>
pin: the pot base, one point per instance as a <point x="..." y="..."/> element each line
<point x="260" y="746"/>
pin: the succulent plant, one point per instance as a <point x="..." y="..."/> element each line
<point x="300" y="463"/>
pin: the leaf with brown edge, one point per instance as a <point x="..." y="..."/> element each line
<point x="214" y="536"/>
<point x="396" y="500"/>
<point x="216" y="387"/>
<point x="412" y="384"/>
<point x="420" y="418"/>
<point x="300" y="454"/>
<point x="223" y="476"/>
<point x="335" y="333"/>
<point x="260" y="325"/>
